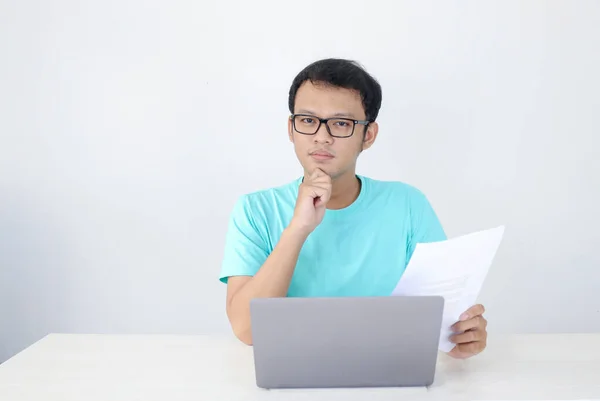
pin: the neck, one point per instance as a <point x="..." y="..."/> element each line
<point x="345" y="190"/>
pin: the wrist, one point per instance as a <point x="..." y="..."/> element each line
<point x="297" y="230"/>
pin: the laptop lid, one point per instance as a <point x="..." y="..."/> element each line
<point x="346" y="342"/>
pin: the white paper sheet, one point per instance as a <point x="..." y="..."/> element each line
<point x="455" y="269"/>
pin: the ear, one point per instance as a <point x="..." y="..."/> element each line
<point x="290" y="129"/>
<point x="370" y="135"/>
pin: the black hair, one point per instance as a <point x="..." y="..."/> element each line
<point x="344" y="74"/>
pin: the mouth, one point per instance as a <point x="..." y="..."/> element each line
<point x="321" y="155"/>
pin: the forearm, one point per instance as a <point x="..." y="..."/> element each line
<point x="272" y="280"/>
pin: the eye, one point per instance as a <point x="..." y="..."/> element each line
<point x="342" y="124"/>
<point x="308" y="120"/>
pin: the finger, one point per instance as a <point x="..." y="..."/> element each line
<point x="322" y="179"/>
<point x="321" y="200"/>
<point x="325" y="196"/>
<point x="319" y="192"/>
<point x="319" y="187"/>
<point x="471" y="348"/>
<point x="311" y="177"/>
<point x="478" y="322"/>
<point x="308" y="186"/>
<point x="473" y="311"/>
<point x="317" y="172"/>
<point x="468" y="336"/>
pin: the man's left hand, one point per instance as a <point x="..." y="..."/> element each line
<point x="471" y="337"/>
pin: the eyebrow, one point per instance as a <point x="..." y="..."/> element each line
<point x="339" y="114"/>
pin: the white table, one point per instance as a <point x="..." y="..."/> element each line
<point x="152" y="367"/>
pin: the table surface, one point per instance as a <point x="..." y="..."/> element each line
<point x="156" y="367"/>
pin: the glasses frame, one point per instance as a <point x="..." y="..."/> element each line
<point x="325" y="121"/>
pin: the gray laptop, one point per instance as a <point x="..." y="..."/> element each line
<point x="346" y="342"/>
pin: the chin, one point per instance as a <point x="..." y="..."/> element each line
<point x="328" y="169"/>
<point x="331" y="172"/>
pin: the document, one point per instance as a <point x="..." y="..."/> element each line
<point x="455" y="269"/>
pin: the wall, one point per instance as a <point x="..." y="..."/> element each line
<point x="128" y="128"/>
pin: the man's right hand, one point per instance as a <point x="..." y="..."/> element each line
<point x="274" y="276"/>
<point x="313" y="195"/>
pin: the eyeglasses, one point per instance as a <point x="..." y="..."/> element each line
<point x="337" y="127"/>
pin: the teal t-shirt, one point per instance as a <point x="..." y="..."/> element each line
<point x="361" y="250"/>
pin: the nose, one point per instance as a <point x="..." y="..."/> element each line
<point x="322" y="135"/>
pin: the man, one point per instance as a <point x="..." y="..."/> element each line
<point x="331" y="232"/>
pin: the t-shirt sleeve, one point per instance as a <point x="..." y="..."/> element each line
<point x="245" y="249"/>
<point x="425" y="225"/>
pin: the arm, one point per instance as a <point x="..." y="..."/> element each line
<point x="425" y="224"/>
<point x="471" y="337"/>
<point x="271" y="280"/>
<point x="250" y="270"/>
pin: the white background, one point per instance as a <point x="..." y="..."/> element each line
<point x="128" y="129"/>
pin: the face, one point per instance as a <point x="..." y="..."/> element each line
<point x="336" y="156"/>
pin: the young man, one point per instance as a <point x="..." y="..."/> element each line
<point x="331" y="232"/>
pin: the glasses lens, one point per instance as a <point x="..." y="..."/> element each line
<point x="341" y="127"/>
<point x="306" y="124"/>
